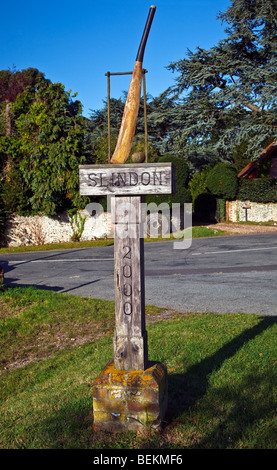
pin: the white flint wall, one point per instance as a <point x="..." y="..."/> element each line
<point x="40" y="229"/>
<point x="256" y="212"/>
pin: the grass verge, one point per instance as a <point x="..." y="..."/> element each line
<point x="58" y="246"/>
<point x="222" y="375"/>
<point x="197" y="232"/>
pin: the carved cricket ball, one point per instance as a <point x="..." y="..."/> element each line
<point x="138" y="157"/>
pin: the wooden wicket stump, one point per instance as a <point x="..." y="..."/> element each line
<point x="130" y="400"/>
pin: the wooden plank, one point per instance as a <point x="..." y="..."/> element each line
<point x="130" y="339"/>
<point x="133" y="179"/>
<point x="128" y="210"/>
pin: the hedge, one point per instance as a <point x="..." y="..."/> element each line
<point x="261" y="190"/>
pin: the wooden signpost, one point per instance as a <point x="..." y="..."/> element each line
<point x="126" y="180"/>
<point x="128" y="183"/>
<point x="130" y="391"/>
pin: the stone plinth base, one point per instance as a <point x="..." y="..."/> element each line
<point x="129" y="400"/>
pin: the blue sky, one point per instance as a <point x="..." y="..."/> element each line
<point x="77" y="42"/>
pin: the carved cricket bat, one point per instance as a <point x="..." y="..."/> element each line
<point x="129" y="120"/>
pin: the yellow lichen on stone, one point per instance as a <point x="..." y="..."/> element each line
<point x="129" y="400"/>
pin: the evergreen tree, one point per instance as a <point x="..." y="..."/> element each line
<point x="227" y="95"/>
<point x="41" y="151"/>
<point x="97" y="131"/>
<point x="161" y="117"/>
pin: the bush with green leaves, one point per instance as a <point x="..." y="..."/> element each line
<point x="263" y="190"/>
<point x="182" y="194"/>
<point x="197" y="184"/>
<point x="77" y="224"/>
<point x="222" y="181"/>
<point x="42" y="143"/>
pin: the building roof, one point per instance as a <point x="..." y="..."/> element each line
<point x="252" y="168"/>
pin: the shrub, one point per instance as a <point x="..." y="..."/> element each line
<point x="77" y="223"/>
<point x="262" y="190"/>
<point x="182" y="193"/>
<point x="220" y="214"/>
<point x="197" y="184"/>
<point x="222" y="181"/>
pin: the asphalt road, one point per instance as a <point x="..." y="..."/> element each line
<point x="218" y="274"/>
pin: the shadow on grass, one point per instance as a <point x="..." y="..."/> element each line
<point x="246" y="419"/>
<point x="237" y="408"/>
<point x="69" y="427"/>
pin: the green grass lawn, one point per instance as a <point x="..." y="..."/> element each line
<point x="222" y="375"/>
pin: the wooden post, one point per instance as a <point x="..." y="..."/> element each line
<point x="128" y="183"/>
<point x="130" y="339"/>
<point x="109" y="115"/>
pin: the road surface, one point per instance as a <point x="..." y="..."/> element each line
<point x="217" y="274"/>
